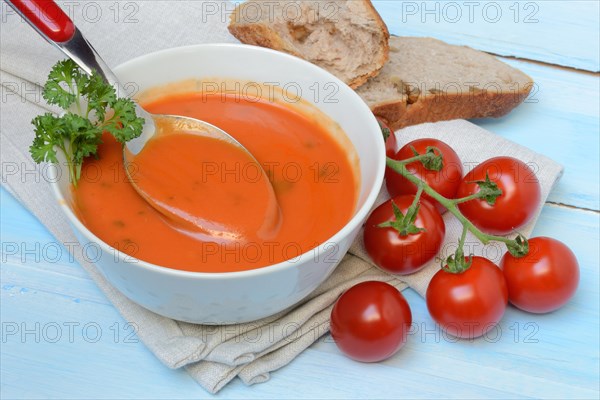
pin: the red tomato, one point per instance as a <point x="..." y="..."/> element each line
<point x="370" y="321"/>
<point x="468" y="304"/>
<point x="518" y="203"/>
<point x="409" y="253"/>
<point x="391" y="143"/>
<point x="444" y="181"/>
<point x="545" y="279"/>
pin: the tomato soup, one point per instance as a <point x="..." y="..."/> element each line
<point x="209" y="187"/>
<point x="312" y="174"/>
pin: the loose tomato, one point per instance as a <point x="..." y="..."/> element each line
<point x="516" y="205"/>
<point x="391" y="143"/>
<point x="403" y="253"/>
<point x="468" y="304"/>
<point x="444" y="181"/>
<point x="543" y="280"/>
<point x="370" y="321"/>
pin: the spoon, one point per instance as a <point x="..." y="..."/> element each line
<point x="48" y="19"/>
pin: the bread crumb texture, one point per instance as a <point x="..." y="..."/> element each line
<point x="347" y="38"/>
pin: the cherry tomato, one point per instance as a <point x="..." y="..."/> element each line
<point x="391" y="143"/>
<point x="444" y="181"/>
<point x="468" y="304"/>
<point x="403" y="254"/>
<point x="370" y="321"/>
<point x="516" y="205"/>
<point x="543" y="280"/>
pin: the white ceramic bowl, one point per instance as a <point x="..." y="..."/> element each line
<point x="225" y="298"/>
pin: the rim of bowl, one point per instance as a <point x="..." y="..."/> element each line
<point x="356" y="219"/>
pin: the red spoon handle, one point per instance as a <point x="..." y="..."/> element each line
<point x="47" y="17"/>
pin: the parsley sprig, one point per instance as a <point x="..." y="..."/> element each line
<point x="91" y="107"/>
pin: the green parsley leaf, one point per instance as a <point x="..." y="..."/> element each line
<point x="124" y="125"/>
<point x="48" y="134"/>
<point x="100" y="95"/>
<point x="78" y="134"/>
<point x="63" y="84"/>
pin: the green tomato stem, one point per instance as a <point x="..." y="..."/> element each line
<point x="463" y="237"/>
<point x="413" y="159"/>
<point x="465" y="199"/>
<point x="417" y="197"/>
<point x="451" y="205"/>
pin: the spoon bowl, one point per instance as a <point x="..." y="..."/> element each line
<point x="157" y="184"/>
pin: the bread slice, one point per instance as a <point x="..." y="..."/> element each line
<point x="427" y="80"/>
<point x="347" y="38"/>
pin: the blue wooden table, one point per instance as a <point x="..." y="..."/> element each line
<point x="62" y="339"/>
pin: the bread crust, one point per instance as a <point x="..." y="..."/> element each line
<point x="360" y="80"/>
<point x="261" y="34"/>
<point x="443" y="107"/>
<point x="402" y="111"/>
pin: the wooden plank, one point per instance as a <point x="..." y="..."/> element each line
<point x="560" y="120"/>
<point x="431" y="365"/>
<point x="556" y="32"/>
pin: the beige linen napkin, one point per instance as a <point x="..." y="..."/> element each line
<point x="213" y="355"/>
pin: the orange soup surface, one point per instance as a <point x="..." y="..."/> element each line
<point x="313" y="179"/>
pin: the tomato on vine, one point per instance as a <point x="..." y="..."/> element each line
<point x="468" y="296"/>
<point x="401" y="236"/>
<point x="468" y="303"/>
<point x="391" y="143"/>
<point x="543" y="280"/>
<point x="370" y="321"/>
<point x="445" y="181"/>
<point x="514" y="207"/>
